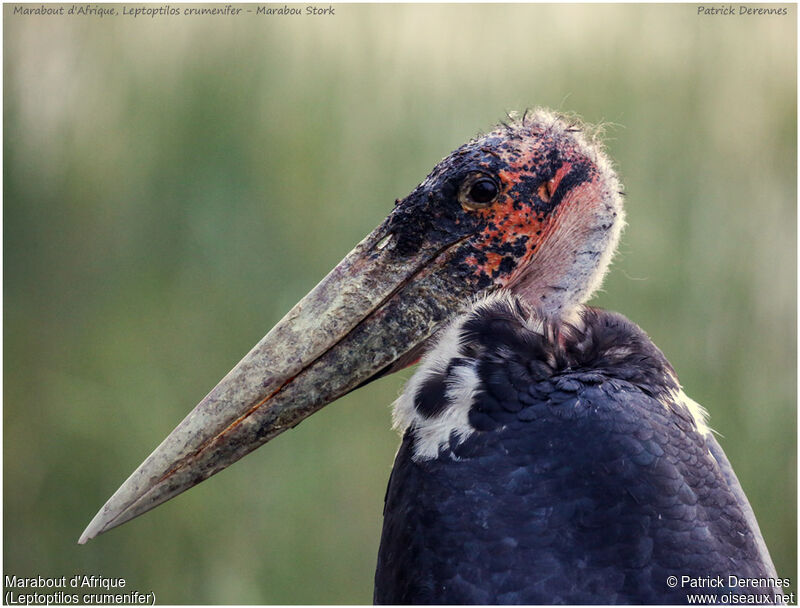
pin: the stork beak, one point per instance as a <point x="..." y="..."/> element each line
<point x="369" y="316"/>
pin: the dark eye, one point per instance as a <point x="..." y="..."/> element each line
<point x="478" y="191"/>
<point x="483" y="191"/>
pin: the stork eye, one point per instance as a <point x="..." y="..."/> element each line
<point x="478" y="191"/>
<point x="483" y="191"/>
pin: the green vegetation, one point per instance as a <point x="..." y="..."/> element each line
<point x="173" y="185"/>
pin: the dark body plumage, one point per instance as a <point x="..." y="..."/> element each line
<point x="584" y="479"/>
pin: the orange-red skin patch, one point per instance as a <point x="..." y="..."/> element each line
<point x="513" y="222"/>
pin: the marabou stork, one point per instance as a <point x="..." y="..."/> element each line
<point x="549" y="454"/>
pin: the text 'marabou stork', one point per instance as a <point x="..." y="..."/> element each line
<point x="549" y="454"/>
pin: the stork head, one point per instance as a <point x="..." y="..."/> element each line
<point x="532" y="207"/>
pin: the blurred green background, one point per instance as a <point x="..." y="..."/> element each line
<point x="173" y="185"/>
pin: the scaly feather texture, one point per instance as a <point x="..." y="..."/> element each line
<point x="565" y="471"/>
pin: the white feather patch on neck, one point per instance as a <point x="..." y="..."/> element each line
<point x="433" y="433"/>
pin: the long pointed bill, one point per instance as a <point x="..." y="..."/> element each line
<point x="368" y="316"/>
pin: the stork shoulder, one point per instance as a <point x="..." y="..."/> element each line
<point x="501" y="361"/>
